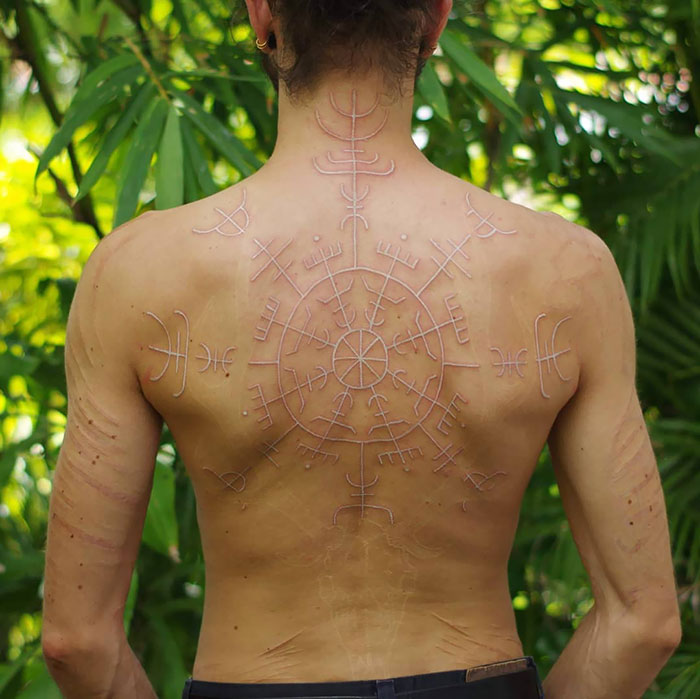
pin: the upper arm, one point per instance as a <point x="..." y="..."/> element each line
<point x="103" y="478"/>
<point x="603" y="458"/>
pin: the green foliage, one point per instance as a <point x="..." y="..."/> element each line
<point x="111" y="108"/>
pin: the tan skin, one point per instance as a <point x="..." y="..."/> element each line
<point x="356" y="517"/>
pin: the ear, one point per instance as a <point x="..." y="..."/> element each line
<point x="260" y="18"/>
<point x="441" y="14"/>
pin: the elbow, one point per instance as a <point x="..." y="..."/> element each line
<point x="62" y="648"/>
<point x="58" y="648"/>
<point x="670" y="633"/>
<point x="660" y="628"/>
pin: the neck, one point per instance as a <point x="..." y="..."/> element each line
<point x="349" y="115"/>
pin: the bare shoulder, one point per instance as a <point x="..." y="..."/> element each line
<point x="152" y="245"/>
<point x="118" y="252"/>
<point x="129" y="267"/>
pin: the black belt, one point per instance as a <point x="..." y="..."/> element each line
<point x="509" y="679"/>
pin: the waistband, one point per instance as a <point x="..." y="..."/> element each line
<point x="509" y="679"/>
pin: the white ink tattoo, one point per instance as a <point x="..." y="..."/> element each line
<point x="454" y="257"/>
<point x="215" y="361"/>
<point x="547" y="356"/>
<point x="363" y="494"/>
<point x="484" y="223"/>
<point x="480" y="482"/>
<point x="229" y="226"/>
<point x="181" y="352"/>
<point x="351" y="163"/>
<point x="507" y="363"/>
<point x="371" y="387"/>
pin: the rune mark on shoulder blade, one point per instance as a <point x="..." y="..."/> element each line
<point x="179" y="350"/>
<point x="547" y="355"/>
<point x="507" y="362"/>
<point x="484" y="227"/>
<point x="231" y="225"/>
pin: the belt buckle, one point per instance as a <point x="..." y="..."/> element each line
<point x="501" y="667"/>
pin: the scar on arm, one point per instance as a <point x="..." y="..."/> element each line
<point x="84" y="536"/>
<point x="635" y="479"/>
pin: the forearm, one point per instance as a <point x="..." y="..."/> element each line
<point x="100" y="672"/>
<point x="607" y="661"/>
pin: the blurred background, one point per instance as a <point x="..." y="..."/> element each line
<point x="589" y="108"/>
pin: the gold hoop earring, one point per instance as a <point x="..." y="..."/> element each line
<point x="261" y="45"/>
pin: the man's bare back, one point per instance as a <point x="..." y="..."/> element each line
<point x="360" y="365"/>
<point x="360" y="358"/>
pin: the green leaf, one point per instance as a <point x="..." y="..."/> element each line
<point x="12" y="365"/>
<point x="628" y="119"/>
<point x="196" y="160"/>
<point x="115" y="138"/>
<point x="8" y="671"/>
<point x="25" y="567"/>
<point x="80" y="112"/>
<point x="169" y="167"/>
<point x="131" y="601"/>
<point x="7" y="464"/>
<point x="160" y="527"/>
<point x="219" y="136"/>
<point x="91" y="81"/>
<point x="138" y="160"/>
<point x="2" y="92"/>
<point x="433" y="92"/>
<point x="41" y="685"/>
<point x="170" y="665"/>
<point x="479" y="72"/>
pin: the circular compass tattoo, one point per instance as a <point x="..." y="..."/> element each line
<point x="333" y="362"/>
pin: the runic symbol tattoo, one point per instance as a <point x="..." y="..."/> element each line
<point x="478" y="479"/>
<point x="305" y="449"/>
<point x="348" y="314"/>
<point x="386" y="250"/>
<point x="410" y="452"/>
<point x="272" y="259"/>
<point x="457" y="317"/>
<point x="360" y="359"/>
<point x="507" y="363"/>
<point x="386" y="397"/>
<point x="303" y="333"/>
<point x="231" y="479"/>
<point x="547" y="355"/>
<point x="450" y="412"/>
<point x="376" y="303"/>
<point x="351" y="162"/>
<point x="267" y="318"/>
<point x="447" y="455"/>
<point x="215" y="361"/>
<point x="481" y="482"/>
<point x="320" y="256"/>
<point x="180" y="352"/>
<point x="231" y="225"/>
<point x="484" y="223"/>
<point x="455" y="256"/>
<point x="263" y="406"/>
<point x="362" y="486"/>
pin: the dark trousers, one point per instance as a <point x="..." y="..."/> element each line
<point x="509" y="679"/>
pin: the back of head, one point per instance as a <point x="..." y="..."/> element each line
<point x="349" y="36"/>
